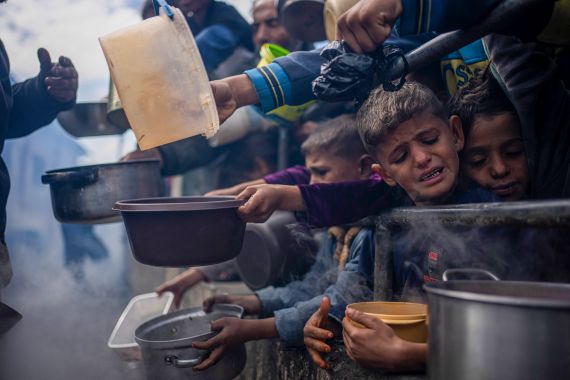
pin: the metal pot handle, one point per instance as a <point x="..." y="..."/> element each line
<point x="184" y="363"/>
<point x="468" y="271"/>
<point x="79" y="178"/>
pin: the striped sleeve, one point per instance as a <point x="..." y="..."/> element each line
<point x="272" y="86"/>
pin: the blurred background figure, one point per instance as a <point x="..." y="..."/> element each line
<point x="267" y="27"/>
<point x="81" y="244"/>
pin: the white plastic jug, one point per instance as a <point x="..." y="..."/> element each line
<point x="161" y="80"/>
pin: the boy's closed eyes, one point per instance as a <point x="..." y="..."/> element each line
<point x="401" y="153"/>
<point x="494" y="156"/>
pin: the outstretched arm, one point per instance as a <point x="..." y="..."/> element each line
<point x="37" y="101"/>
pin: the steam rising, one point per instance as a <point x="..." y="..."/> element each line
<point x="66" y="323"/>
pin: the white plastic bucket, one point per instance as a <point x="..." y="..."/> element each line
<point x="161" y="80"/>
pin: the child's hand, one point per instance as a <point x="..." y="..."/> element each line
<point x="263" y="200"/>
<point x="377" y="346"/>
<point x="233" y="331"/>
<point x="250" y="303"/>
<point x="180" y="284"/>
<point x="315" y="336"/>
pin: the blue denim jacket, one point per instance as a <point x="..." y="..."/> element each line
<point x="294" y="303"/>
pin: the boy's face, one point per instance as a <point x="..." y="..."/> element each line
<point x="420" y="155"/>
<point x="494" y="156"/>
<point x="326" y="167"/>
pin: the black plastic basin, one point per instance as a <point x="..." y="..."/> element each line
<point x="182" y="232"/>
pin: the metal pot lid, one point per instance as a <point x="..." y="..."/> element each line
<point x="194" y="203"/>
<point x="304" y="20"/>
<point x="107" y="165"/>
<point x="181" y="328"/>
<point x="513" y="293"/>
<point x="89" y="119"/>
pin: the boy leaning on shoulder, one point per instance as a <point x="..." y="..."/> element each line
<point x="416" y="148"/>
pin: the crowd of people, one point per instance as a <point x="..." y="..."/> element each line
<point x="487" y="123"/>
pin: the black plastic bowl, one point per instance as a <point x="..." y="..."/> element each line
<point x="182" y="232"/>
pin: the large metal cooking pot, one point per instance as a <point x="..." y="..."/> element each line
<point x="86" y="194"/>
<point x="487" y="330"/>
<point x="271" y="255"/>
<point x="166" y="345"/>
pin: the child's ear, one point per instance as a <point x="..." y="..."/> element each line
<point x="378" y="169"/>
<point x="457" y="132"/>
<point x="365" y="165"/>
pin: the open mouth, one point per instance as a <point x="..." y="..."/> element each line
<point x="431" y="175"/>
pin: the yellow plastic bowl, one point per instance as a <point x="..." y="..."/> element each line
<point x="408" y="320"/>
<point x="392" y="310"/>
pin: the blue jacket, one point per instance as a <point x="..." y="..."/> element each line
<point x="294" y="303"/>
<point x="288" y="79"/>
<point x="24" y="107"/>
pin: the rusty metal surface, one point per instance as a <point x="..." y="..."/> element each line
<point x="532" y="214"/>
<point x="383" y="264"/>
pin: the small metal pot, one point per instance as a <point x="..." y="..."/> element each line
<point x="270" y="254"/>
<point x="86" y="194"/>
<point x="498" y="330"/>
<point x="166" y="345"/>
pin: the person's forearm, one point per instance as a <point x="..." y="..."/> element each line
<point x="292" y="199"/>
<point x="334" y="204"/>
<point x="261" y="329"/>
<point x="411" y="356"/>
<point x="192" y="276"/>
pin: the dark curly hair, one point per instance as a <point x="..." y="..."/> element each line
<point x="483" y="95"/>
